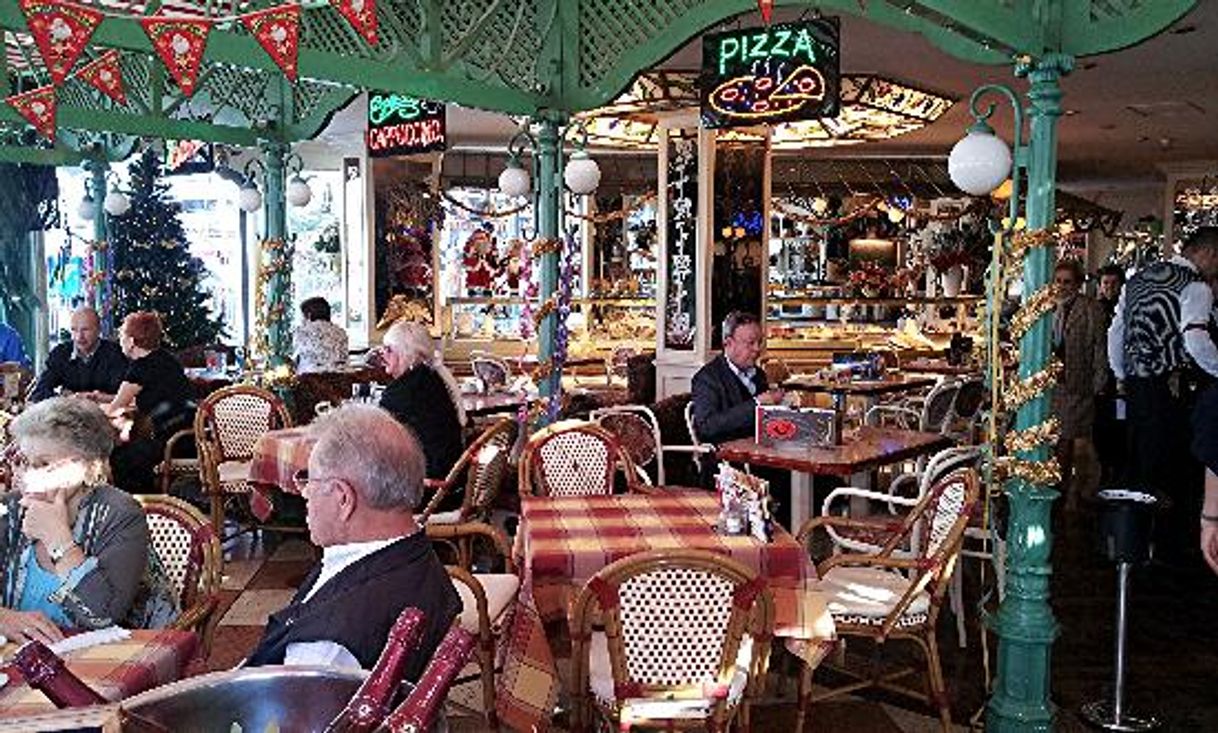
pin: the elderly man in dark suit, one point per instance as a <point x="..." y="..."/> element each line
<point x="727" y="389"/>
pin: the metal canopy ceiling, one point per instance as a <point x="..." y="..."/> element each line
<point x="550" y="57"/>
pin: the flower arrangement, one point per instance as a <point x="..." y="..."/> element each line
<point x="869" y="279"/>
<point x="905" y="280"/>
<point x="962" y="245"/>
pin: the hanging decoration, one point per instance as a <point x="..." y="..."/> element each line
<point x="61" y="31"/>
<point x="38" y="107"/>
<point x="106" y="75"/>
<point x="272" y="320"/>
<point x="180" y="43"/>
<point x="277" y="30"/>
<point x="361" y="14"/>
<point x="767" y="10"/>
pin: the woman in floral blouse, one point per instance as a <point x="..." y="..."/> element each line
<point x="320" y="345"/>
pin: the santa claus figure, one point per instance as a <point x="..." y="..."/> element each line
<point x="478" y="258"/>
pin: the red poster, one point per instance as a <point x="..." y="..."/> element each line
<point x="37" y="106"/>
<point x="180" y="44"/>
<point x="61" y="31"/>
<point x="106" y="76"/>
<point x="361" y="14"/>
<point x="278" y="31"/>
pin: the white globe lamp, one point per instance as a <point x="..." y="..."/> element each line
<point x="582" y="175"/>
<point x="87" y="209"/>
<point x="116" y="203"/>
<point x="514" y="180"/>
<point x="299" y="194"/>
<point x="249" y="199"/>
<point x="980" y="161"/>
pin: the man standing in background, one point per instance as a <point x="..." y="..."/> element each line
<point x="1110" y="435"/>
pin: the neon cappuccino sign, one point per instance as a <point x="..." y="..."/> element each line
<point x="403" y="125"/>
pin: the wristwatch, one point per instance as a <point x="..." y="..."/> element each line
<point x="60" y="551"/>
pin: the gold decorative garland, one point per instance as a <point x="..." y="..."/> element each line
<point x="614" y="215"/>
<point x="1039" y="473"/>
<point x="1020" y="392"/>
<point x="1040" y="304"/>
<point x="488" y="214"/>
<point x="272" y="260"/>
<point x="544" y="247"/>
<point x="1018" y="441"/>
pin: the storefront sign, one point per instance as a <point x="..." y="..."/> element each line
<point x="402" y="125"/>
<point x="681" y="249"/>
<point x="778" y="73"/>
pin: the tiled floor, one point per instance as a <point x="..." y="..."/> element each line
<point x="1172" y="651"/>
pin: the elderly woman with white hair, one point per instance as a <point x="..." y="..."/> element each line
<point x="423" y="395"/>
<point x="74" y="551"/>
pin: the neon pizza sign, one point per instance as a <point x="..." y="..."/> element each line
<point x="779" y="73"/>
<point x="402" y="125"/>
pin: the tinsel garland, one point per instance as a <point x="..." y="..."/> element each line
<point x="1018" y="392"/>
<point x="1018" y="441"/>
<point x="487" y="214"/>
<point x="274" y="260"/>
<point x="612" y="216"/>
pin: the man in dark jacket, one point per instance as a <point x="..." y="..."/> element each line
<point x="364" y="481"/>
<point x="88" y="364"/>
<point x="727" y="390"/>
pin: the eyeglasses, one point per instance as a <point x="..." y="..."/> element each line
<point x="301" y="480"/>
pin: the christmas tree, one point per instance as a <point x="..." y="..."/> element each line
<point x="153" y="267"/>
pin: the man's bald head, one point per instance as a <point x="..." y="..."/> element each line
<point x="86" y="330"/>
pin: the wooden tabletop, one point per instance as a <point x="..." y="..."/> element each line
<point x="940" y="366"/>
<point x="869" y="387"/>
<point x="870" y="448"/>
<point x="477" y="405"/>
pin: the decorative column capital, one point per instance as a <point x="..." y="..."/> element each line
<point x="1050" y="67"/>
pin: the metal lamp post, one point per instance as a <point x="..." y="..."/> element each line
<point x="1025" y="624"/>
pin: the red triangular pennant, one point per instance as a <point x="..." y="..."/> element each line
<point x="61" y="32"/>
<point x="361" y="14"/>
<point x="180" y="44"/>
<point x="277" y="29"/>
<point x="767" y="9"/>
<point x="106" y="76"/>
<point x="37" y="106"/>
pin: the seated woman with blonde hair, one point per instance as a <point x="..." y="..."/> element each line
<point x="74" y="551"/>
<point x="423" y="395"/>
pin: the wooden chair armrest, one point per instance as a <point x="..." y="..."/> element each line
<point x="196" y="615"/>
<point x="872" y="561"/>
<point x="445" y="532"/>
<point x="835" y="522"/>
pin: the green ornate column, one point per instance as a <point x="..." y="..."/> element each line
<point x="549" y="214"/>
<point x="275" y="274"/>
<point x="97" y="189"/>
<point x="1025" y="624"/>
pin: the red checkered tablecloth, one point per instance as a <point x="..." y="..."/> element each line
<point x="564" y="541"/>
<point x="278" y="455"/>
<point x="150" y="658"/>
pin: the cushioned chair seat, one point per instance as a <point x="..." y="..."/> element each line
<point x="600" y="679"/>
<point x="234" y="472"/>
<point x="867" y="595"/>
<point x="452" y="516"/>
<point x="500" y="591"/>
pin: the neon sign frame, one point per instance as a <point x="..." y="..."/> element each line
<point x="779" y="73"/>
<point x="399" y="124"/>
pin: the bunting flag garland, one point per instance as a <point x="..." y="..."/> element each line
<point x="38" y="107"/>
<point x="61" y="31"/>
<point x="180" y="44"/>
<point x="277" y="30"/>
<point x="361" y="14"/>
<point x="767" y="9"/>
<point x="105" y="75"/>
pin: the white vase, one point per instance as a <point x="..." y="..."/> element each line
<point x="951" y="280"/>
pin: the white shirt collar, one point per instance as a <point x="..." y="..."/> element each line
<point x="742" y="373"/>
<point x="337" y="558"/>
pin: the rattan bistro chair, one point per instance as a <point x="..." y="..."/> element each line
<point x="228" y="423"/>
<point x="573" y="458"/>
<point x="484" y="467"/>
<point x="686" y="641"/>
<point x="888" y="595"/>
<point x="485" y="598"/>
<point x="189" y="551"/>
<point x="638" y="431"/>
